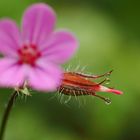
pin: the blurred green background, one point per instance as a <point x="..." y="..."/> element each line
<point x="109" y="36"/>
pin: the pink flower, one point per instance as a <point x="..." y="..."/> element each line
<point x="34" y="53"/>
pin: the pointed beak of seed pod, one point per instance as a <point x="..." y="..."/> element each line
<point x="101" y="88"/>
<point x="115" y="91"/>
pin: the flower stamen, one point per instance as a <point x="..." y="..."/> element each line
<point x="28" y="54"/>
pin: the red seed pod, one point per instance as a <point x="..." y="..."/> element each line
<point x="78" y="84"/>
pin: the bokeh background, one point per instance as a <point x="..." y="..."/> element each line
<point x="109" y="36"/>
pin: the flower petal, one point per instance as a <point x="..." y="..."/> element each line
<point x="9" y="37"/>
<point x="61" y="47"/>
<point x="38" y="23"/>
<point x="11" y="74"/>
<point x="45" y="77"/>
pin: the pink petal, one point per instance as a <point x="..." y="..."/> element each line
<point x="11" y="74"/>
<point x="38" y="23"/>
<point x="9" y="37"/>
<point x="45" y="77"/>
<point x="61" y="47"/>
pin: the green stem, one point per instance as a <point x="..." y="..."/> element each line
<point x="7" y="113"/>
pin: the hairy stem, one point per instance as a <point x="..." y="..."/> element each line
<point x="7" y="113"/>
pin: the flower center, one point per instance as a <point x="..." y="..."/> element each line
<point x="28" y="54"/>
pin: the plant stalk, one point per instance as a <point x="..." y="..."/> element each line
<point x="7" y="113"/>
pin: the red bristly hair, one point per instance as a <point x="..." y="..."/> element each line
<point x="78" y="84"/>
